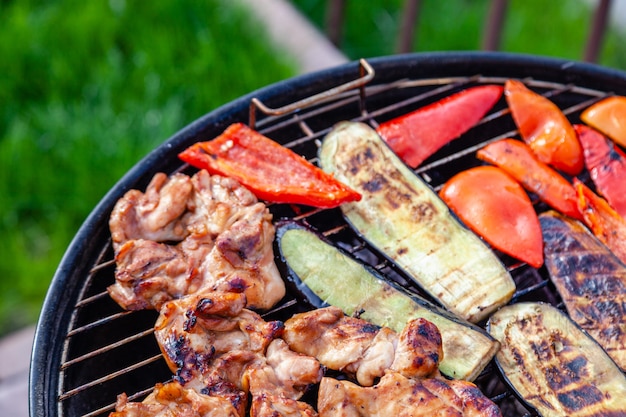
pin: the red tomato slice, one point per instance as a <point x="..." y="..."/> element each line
<point x="496" y="207"/>
<point x="606" y="164"/>
<point x="419" y="134"/>
<point x="271" y="171"/>
<point x="609" y="117"/>
<point x="544" y="127"/>
<point x="608" y="226"/>
<point x="519" y="161"/>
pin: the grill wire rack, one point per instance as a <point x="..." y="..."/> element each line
<point x="107" y="351"/>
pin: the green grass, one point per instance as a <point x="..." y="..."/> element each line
<point x="87" y="89"/>
<point x="538" y="27"/>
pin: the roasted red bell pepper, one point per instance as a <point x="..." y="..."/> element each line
<point x="606" y="164"/>
<point x="544" y="127"/>
<point x="609" y="117"/>
<point x="419" y="134"/>
<point x="519" y="161"/>
<point x="496" y="207"/>
<point x="271" y="171"/>
<point x="605" y="223"/>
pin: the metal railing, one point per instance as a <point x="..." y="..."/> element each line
<point x="492" y="30"/>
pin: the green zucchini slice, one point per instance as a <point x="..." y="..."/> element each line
<point x="326" y="275"/>
<point x="405" y="220"/>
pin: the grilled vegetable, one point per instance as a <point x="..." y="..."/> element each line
<point x="361" y="291"/>
<point x="608" y="117"/>
<point x="419" y="134"/>
<point x="495" y="206"/>
<point x="554" y="365"/>
<point x="407" y="222"/>
<point x="544" y="128"/>
<point x="271" y="171"/>
<point x="605" y="223"/>
<point x="590" y="279"/>
<point x="606" y="164"/>
<point x="519" y="161"/>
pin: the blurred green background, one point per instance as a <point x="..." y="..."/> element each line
<point x="88" y="88"/>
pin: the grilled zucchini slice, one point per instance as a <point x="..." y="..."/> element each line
<point x="405" y="220"/>
<point x="325" y="275"/>
<point x="590" y="279"/>
<point x="554" y="365"/>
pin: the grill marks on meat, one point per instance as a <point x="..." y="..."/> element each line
<point x="397" y="395"/>
<point x="397" y="374"/>
<point x="217" y="347"/>
<point x="193" y="330"/>
<point x="172" y="399"/>
<point x="187" y="235"/>
<point x="362" y="349"/>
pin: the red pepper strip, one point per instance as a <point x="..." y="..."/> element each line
<point x="608" y="226"/>
<point x="609" y="117"/>
<point x="519" y="161"/>
<point x="606" y="164"/>
<point x="271" y="171"/>
<point x="544" y="127"/>
<point x="419" y="134"/>
<point x="496" y="207"/>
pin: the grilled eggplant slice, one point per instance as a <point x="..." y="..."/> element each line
<point x="590" y="279"/>
<point x="404" y="219"/>
<point x="328" y="276"/>
<point x="554" y="365"/>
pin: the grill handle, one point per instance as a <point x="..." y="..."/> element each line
<point x="366" y="74"/>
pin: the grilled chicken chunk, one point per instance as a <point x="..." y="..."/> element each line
<point x="399" y="396"/>
<point x="194" y="330"/>
<point x="216" y="346"/>
<point x="186" y="235"/>
<point x="268" y="405"/>
<point x="362" y="349"/>
<point x="173" y="400"/>
<point x="590" y="279"/>
<point x="154" y="215"/>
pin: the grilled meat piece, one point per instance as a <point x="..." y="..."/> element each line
<point x="193" y="330"/>
<point x="268" y="405"/>
<point x="148" y="274"/>
<point x="186" y="235"/>
<point x="284" y="372"/>
<point x="219" y="348"/>
<point x="362" y="349"/>
<point x="156" y="214"/>
<point x="277" y="382"/>
<point x="242" y="260"/>
<point x="397" y="395"/>
<point x="173" y="400"/>
<point x="590" y="279"/>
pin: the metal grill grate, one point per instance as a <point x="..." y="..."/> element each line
<point x="108" y="351"/>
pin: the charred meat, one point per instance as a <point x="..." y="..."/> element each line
<point x="397" y="395"/>
<point x="362" y="349"/>
<point x="185" y="235"/>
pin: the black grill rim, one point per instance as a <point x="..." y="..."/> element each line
<point x="66" y="285"/>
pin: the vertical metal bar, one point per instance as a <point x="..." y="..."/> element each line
<point x="334" y="20"/>
<point x="492" y="33"/>
<point x="598" y="29"/>
<point x="410" y="13"/>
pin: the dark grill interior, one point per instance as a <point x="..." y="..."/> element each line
<point x="107" y="351"/>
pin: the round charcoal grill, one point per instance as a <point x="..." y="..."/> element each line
<point x="88" y="350"/>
